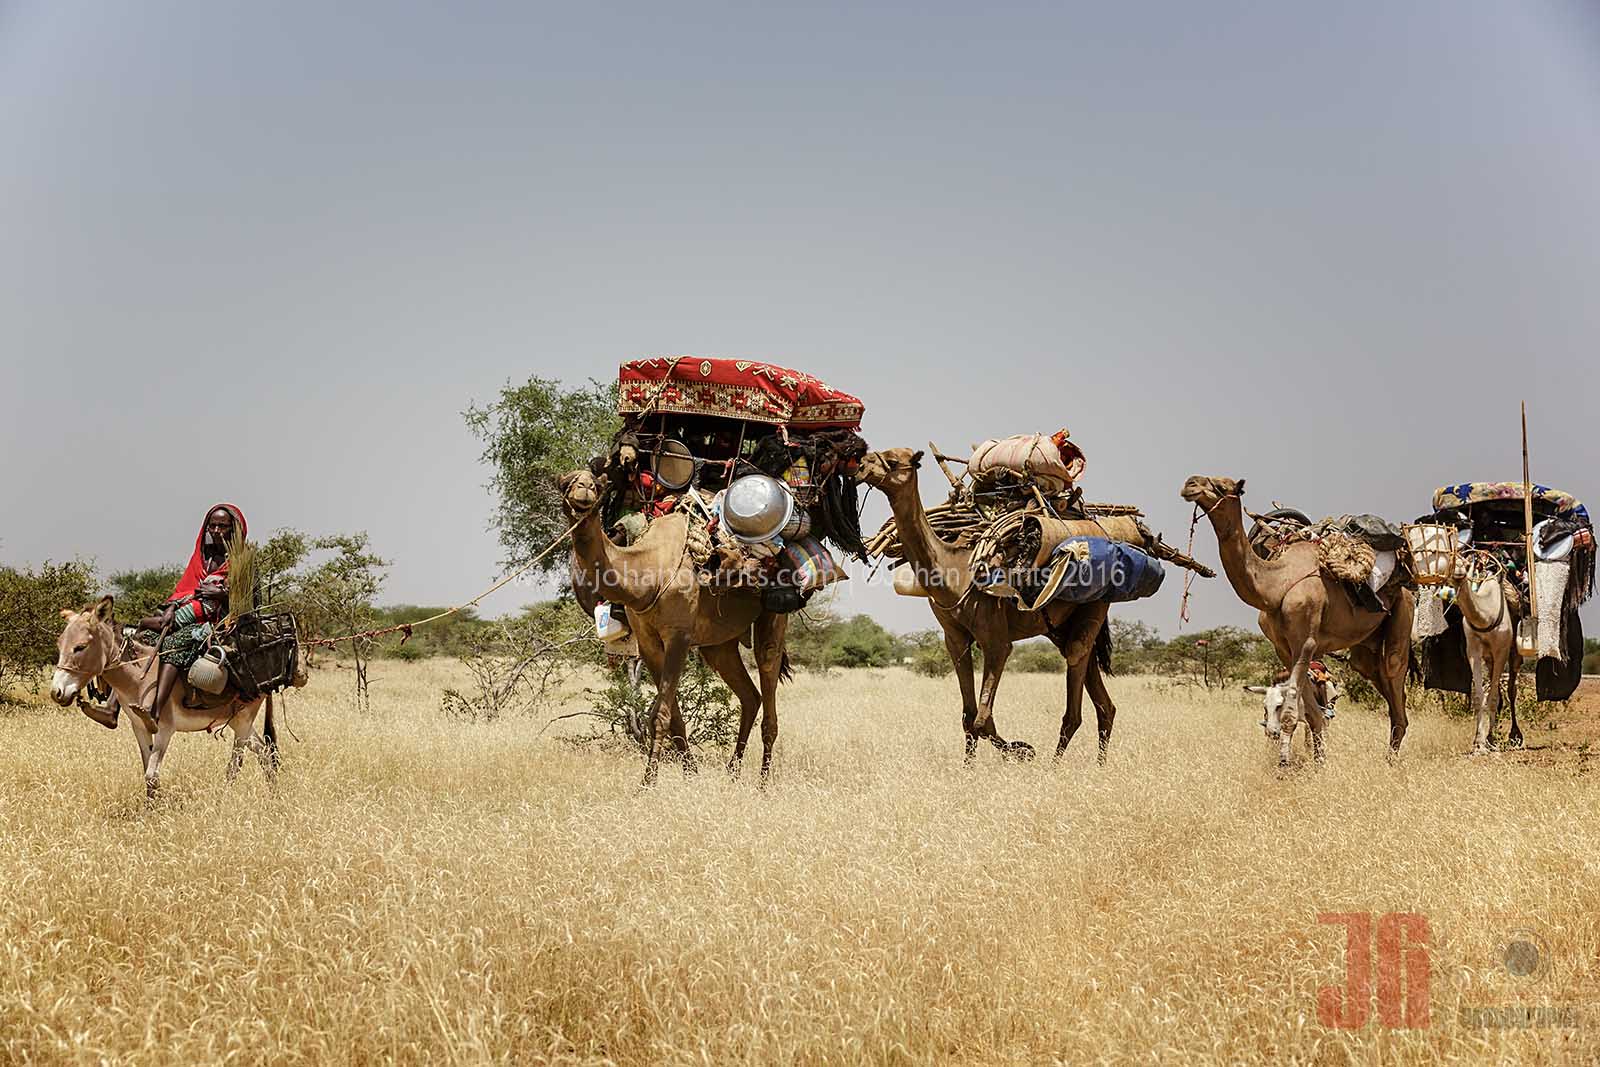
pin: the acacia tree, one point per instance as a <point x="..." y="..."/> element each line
<point x="532" y="434"/>
<point x="335" y="598"/>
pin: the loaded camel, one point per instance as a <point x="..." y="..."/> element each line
<point x="671" y="613"/>
<point x="90" y="648"/>
<point x="1305" y="615"/>
<point x="992" y="623"/>
<point x="1489" y="627"/>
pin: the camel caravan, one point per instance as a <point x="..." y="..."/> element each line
<point x="719" y="506"/>
<point x="728" y="496"/>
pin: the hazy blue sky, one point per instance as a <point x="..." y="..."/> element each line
<point x="269" y="252"/>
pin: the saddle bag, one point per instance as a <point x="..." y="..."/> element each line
<point x="266" y="653"/>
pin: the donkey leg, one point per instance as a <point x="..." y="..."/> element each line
<point x="158" y="752"/>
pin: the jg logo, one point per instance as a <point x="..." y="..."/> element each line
<point x="1399" y="977"/>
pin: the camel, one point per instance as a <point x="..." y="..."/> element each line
<point x="1489" y="628"/>
<point x="671" y="613"/>
<point x="969" y="617"/>
<point x="89" y="648"/>
<point x="1305" y="615"/>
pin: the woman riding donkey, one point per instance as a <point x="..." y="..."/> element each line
<point x="197" y="604"/>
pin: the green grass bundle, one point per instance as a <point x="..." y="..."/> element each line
<point x="241" y="577"/>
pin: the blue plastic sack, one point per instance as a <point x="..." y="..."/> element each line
<point x="1095" y="569"/>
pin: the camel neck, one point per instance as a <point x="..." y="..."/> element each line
<point x="926" y="549"/>
<point x="620" y="575"/>
<point x="1253" y="578"/>
<point x="1483" y="606"/>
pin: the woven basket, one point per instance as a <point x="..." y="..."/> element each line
<point x="1435" y="558"/>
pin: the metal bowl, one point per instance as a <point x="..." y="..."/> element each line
<point x="756" y="508"/>
<point x="673" y="464"/>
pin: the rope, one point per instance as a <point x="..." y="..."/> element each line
<point x="407" y="627"/>
<point x="1188" y="576"/>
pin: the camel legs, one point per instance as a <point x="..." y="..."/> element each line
<point x="1396" y="660"/>
<point x="1301" y="700"/>
<point x="1514" y="664"/>
<point x="1105" y="711"/>
<point x="725" y="660"/>
<point x="1485" y="691"/>
<point x="958" y="646"/>
<point x="771" y="629"/>
<point x="666" y="659"/>
<point x="1072" y="718"/>
<point x="1075" y="638"/>
<point x="995" y="655"/>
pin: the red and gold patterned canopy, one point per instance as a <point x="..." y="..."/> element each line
<point x="734" y="389"/>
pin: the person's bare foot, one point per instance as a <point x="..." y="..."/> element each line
<point x="143" y="713"/>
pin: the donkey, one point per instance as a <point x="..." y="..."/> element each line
<point x="89" y="648"/>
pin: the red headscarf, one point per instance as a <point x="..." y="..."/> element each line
<point x="183" y="592"/>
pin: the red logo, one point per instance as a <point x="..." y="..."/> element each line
<point x="1402" y="972"/>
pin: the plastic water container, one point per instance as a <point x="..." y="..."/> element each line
<point x="609" y="624"/>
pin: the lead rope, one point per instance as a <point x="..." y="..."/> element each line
<point x="1188" y="575"/>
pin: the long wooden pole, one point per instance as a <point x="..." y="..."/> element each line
<point x="1527" y="517"/>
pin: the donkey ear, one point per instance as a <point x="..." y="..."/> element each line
<point x="68" y="613"/>
<point x="102" y="609"/>
<point x="916" y="460"/>
<point x="1239" y="488"/>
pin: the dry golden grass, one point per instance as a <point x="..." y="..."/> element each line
<point x="420" y="891"/>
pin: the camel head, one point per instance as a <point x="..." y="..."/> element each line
<point x="1207" y="492"/>
<point x="891" y="468"/>
<point x="580" y="491"/>
<point x="86" y="648"/>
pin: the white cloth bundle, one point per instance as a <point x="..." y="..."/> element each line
<point x="1033" y="455"/>
<point x="1382" y="568"/>
<point x="1428" y="621"/>
<point x="1550" y="579"/>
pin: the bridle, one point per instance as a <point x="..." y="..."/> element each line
<point x="1489" y="568"/>
<point x="121" y="658"/>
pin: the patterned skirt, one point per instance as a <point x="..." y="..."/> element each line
<point x="182" y="646"/>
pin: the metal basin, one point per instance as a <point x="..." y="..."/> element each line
<point x="756" y="508"/>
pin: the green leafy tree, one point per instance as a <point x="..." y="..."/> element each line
<point x="30" y="617"/>
<point x="926" y="650"/>
<point x="140" y="593"/>
<point x="860" y="642"/>
<point x="1220" y="656"/>
<point x="1591" y="655"/>
<point x="532" y="434"/>
<point x="335" y="598"/>
<point x="276" y="564"/>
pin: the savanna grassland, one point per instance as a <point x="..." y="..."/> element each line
<point x="421" y="891"/>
